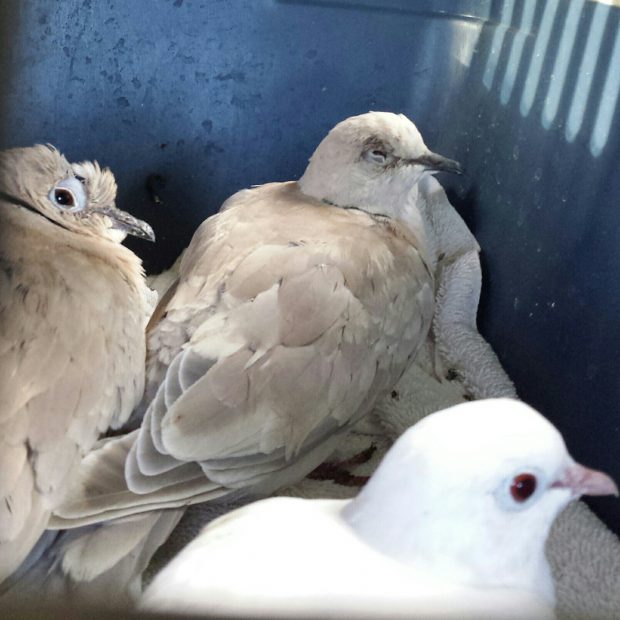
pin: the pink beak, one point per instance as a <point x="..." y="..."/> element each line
<point x="583" y="481"/>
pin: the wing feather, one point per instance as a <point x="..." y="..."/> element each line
<point x="276" y="340"/>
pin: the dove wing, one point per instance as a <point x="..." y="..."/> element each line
<point x="285" y="327"/>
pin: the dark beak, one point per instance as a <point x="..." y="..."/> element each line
<point x="437" y="163"/>
<point x="581" y="480"/>
<point x="129" y="224"/>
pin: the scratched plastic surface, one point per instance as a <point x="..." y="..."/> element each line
<point x="219" y="95"/>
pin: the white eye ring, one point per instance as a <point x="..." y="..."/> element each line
<point x="376" y="156"/>
<point x="69" y="195"/>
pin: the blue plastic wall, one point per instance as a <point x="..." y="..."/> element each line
<point x="219" y="95"/>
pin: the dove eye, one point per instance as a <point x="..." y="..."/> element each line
<point x="523" y="487"/>
<point x="64" y="197"/>
<point x="376" y="156"/>
<point x="69" y="195"/>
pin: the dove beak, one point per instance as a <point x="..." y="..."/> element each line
<point x="437" y="163"/>
<point x="581" y="480"/>
<point x="129" y="224"/>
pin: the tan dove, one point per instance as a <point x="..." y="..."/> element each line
<point x="73" y="306"/>
<point x="296" y="308"/>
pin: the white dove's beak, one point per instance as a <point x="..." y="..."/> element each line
<point x="581" y="480"/>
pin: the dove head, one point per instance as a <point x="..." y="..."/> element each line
<point x="76" y="197"/>
<point x="469" y="494"/>
<point x="372" y="162"/>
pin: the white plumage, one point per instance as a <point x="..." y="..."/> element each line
<point x="446" y="527"/>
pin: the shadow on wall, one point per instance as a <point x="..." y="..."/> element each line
<point x="574" y="57"/>
<point x="538" y="129"/>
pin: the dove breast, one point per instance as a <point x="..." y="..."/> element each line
<point x="289" y="557"/>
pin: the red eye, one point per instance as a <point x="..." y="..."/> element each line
<point x="523" y="487"/>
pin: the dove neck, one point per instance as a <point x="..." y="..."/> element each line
<point x="394" y="196"/>
<point x="24" y="232"/>
<point x="18" y="202"/>
<point x="438" y="535"/>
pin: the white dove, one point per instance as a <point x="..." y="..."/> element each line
<point x="452" y="524"/>
<point x="73" y="307"/>
<point x="296" y="308"/>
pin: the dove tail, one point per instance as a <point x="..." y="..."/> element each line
<point x="14" y="550"/>
<point x="97" y="563"/>
<point x="101" y="491"/>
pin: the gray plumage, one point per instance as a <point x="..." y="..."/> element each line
<point x="73" y="306"/>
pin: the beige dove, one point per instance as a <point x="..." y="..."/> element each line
<point x="73" y="307"/>
<point x="297" y="306"/>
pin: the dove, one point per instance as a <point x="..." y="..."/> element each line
<point x="297" y="306"/>
<point x="73" y="309"/>
<point x="453" y="523"/>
